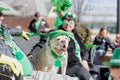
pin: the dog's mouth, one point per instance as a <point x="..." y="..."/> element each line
<point x="64" y="48"/>
<point x="60" y="51"/>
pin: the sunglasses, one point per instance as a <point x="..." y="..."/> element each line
<point x="69" y="22"/>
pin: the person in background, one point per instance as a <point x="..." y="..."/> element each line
<point x="114" y="65"/>
<point x="117" y="41"/>
<point x="38" y="25"/>
<point x="103" y="42"/>
<point x="85" y="33"/>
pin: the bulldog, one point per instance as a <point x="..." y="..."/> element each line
<point x="54" y="53"/>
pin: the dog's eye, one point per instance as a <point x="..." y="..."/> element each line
<point x="66" y="38"/>
<point x="58" y="39"/>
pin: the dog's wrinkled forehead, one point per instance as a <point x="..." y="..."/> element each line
<point x="60" y="37"/>
<point x="59" y="41"/>
<point x="56" y="33"/>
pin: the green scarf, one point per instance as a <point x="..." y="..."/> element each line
<point x="38" y="23"/>
<point x="18" y="54"/>
<point x="77" y="47"/>
<point x="59" y="59"/>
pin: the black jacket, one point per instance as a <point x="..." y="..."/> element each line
<point x="103" y="43"/>
<point x="72" y="59"/>
<point x="32" y="26"/>
<point x="42" y="40"/>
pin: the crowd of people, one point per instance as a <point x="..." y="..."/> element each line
<point x="78" y="55"/>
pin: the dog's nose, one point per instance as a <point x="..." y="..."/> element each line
<point x="63" y="41"/>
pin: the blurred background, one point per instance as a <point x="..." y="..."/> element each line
<point x="94" y="13"/>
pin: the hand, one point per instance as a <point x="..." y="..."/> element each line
<point x="116" y="43"/>
<point x="85" y="64"/>
<point x="46" y="30"/>
<point x="12" y="63"/>
<point x="30" y="56"/>
<point x="25" y="35"/>
<point x="19" y="27"/>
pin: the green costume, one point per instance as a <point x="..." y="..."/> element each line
<point x="59" y="21"/>
<point x="53" y="34"/>
<point x="77" y="52"/>
<point x="61" y="6"/>
<point x="18" y="54"/>
<point x="70" y="14"/>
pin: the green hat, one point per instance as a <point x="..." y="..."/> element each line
<point x="61" y="5"/>
<point x="2" y="8"/>
<point x="70" y="14"/>
<point x="115" y="60"/>
<point x="56" y="33"/>
<point x="59" y="20"/>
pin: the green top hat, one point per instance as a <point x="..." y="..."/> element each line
<point x="56" y="33"/>
<point x="115" y="60"/>
<point x="2" y="8"/>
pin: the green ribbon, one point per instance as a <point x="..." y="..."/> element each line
<point x="59" y="59"/>
<point x="31" y="34"/>
<point x="77" y="47"/>
<point x="91" y="45"/>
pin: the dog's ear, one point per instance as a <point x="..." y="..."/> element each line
<point x="48" y="41"/>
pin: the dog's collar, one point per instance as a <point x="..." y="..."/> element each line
<point x="59" y="59"/>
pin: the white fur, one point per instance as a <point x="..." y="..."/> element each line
<point x="44" y="61"/>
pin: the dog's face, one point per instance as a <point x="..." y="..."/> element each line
<point x="59" y="44"/>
